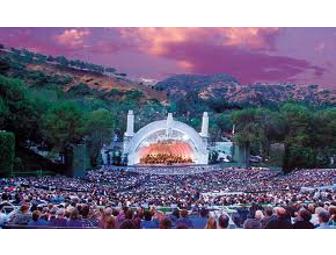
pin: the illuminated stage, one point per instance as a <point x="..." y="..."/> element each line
<point x="166" y="142"/>
<point x="166" y="153"/>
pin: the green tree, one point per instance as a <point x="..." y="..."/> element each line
<point x="23" y="112"/>
<point x="298" y="122"/>
<point x="224" y="123"/>
<point x="324" y="135"/>
<point x="257" y="128"/>
<point x="7" y="152"/>
<point x="64" y="125"/>
<point x="3" y="113"/>
<point x="4" y="66"/>
<point x="250" y="127"/>
<point x="99" y="129"/>
<point x="18" y="165"/>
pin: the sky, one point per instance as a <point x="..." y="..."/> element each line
<point x="268" y="55"/>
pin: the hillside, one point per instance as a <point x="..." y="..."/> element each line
<point x="72" y="76"/>
<point x="226" y="87"/>
<point x="54" y="104"/>
<point x="81" y="79"/>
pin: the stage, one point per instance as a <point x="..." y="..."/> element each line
<point x="166" y="142"/>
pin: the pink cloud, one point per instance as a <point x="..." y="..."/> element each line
<point x="73" y="37"/>
<point x="320" y="47"/>
<point x="251" y="38"/>
<point x="247" y="53"/>
<point x="247" y="66"/>
<point x="250" y="54"/>
<point x="156" y="40"/>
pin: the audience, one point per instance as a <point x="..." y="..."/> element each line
<point x="162" y="197"/>
<point x="148" y="221"/>
<point x="37" y="220"/>
<point x="165" y="223"/>
<point x="110" y="222"/>
<point x="332" y="211"/>
<point x="212" y="223"/>
<point x="324" y="218"/>
<point x="281" y="220"/>
<point x="223" y="221"/>
<point x="22" y="216"/>
<point x="303" y="220"/>
<point x="200" y="221"/>
<point x="60" y="220"/>
<point x="184" y="220"/>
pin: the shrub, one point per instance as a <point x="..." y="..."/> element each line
<point x="7" y="152"/>
<point x="18" y="165"/>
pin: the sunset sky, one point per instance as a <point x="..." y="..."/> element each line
<point x="300" y="55"/>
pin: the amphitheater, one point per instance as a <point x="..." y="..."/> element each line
<point x="166" y="139"/>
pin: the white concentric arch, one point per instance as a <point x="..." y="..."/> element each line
<point x="196" y="141"/>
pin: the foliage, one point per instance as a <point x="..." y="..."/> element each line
<point x="308" y="134"/>
<point x="18" y="165"/>
<point x="64" y="125"/>
<point x="23" y="112"/>
<point x="80" y="161"/>
<point x="7" y="152"/>
<point x="38" y="108"/>
<point x="81" y="89"/>
<point x="99" y="129"/>
<point x="224" y="122"/>
<point x="3" y="113"/>
<point x="4" y="67"/>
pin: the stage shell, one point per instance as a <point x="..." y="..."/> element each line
<point x="168" y="130"/>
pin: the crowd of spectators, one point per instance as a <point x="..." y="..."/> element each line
<point x="227" y="198"/>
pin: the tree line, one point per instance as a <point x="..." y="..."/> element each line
<point x="56" y="121"/>
<point x="307" y="133"/>
<point x="54" y="124"/>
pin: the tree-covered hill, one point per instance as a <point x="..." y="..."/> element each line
<point x="41" y="71"/>
<point x="52" y="104"/>
<point x="228" y="89"/>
